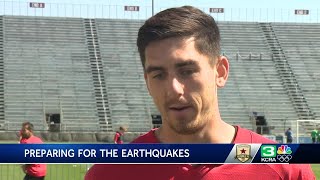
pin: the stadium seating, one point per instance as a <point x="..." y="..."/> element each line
<point x="47" y="71"/>
<point x="254" y="84"/>
<point x="2" y="122"/>
<point x="300" y="43"/>
<point x="89" y="72"/>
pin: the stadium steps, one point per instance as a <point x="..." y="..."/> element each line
<point x="99" y="83"/>
<point x="130" y="103"/>
<point x="286" y="74"/>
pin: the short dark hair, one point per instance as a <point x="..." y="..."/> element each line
<point x="28" y="125"/>
<point x="184" y="22"/>
<point x="121" y="128"/>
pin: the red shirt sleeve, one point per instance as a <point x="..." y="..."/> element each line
<point x="116" y="137"/>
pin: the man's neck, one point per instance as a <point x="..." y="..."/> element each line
<point x="217" y="132"/>
<point x="30" y="136"/>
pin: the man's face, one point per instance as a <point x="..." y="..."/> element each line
<point x="182" y="83"/>
<point x="25" y="133"/>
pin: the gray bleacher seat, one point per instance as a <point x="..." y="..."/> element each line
<point x="47" y="71"/>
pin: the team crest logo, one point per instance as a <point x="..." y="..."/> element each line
<point x="243" y="152"/>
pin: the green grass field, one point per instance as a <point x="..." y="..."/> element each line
<point x="316" y="170"/>
<point x="54" y="172"/>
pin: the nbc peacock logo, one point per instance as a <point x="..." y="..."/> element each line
<point x="284" y="153"/>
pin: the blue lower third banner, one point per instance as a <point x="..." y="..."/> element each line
<point x="159" y="153"/>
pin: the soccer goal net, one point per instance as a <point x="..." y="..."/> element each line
<point x="304" y="129"/>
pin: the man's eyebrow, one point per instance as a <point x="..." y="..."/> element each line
<point x="186" y="63"/>
<point x="150" y="69"/>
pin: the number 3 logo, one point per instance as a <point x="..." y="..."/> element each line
<point x="268" y="151"/>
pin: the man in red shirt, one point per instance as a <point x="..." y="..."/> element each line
<point x="180" y="54"/>
<point x="33" y="171"/>
<point x="118" y="136"/>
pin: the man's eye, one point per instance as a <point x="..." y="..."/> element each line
<point x="187" y="72"/>
<point x="158" y="76"/>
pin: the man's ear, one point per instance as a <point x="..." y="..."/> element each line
<point x="222" y="68"/>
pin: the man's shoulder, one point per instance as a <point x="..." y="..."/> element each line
<point x="246" y="136"/>
<point x="143" y="171"/>
<point x="132" y="171"/>
<point x="293" y="171"/>
<point x="148" y="137"/>
<point x="271" y="171"/>
<point x="35" y="140"/>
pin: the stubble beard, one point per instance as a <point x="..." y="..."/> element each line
<point x="26" y="136"/>
<point x="190" y="125"/>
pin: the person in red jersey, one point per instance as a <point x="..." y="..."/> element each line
<point x="33" y="171"/>
<point x="118" y="136"/>
<point x="180" y="54"/>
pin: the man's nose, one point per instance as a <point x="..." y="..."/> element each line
<point x="175" y="88"/>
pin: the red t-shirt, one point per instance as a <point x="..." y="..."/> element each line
<point x="203" y="172"/>
<point x="37" y="170"/>
<point x="118" y="138"/>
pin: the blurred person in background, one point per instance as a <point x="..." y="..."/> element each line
<point x="118" y="137"/>
<point x="289" y="135"/>
<point x="32" y="171"/>
<point x="314" y="135"/>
